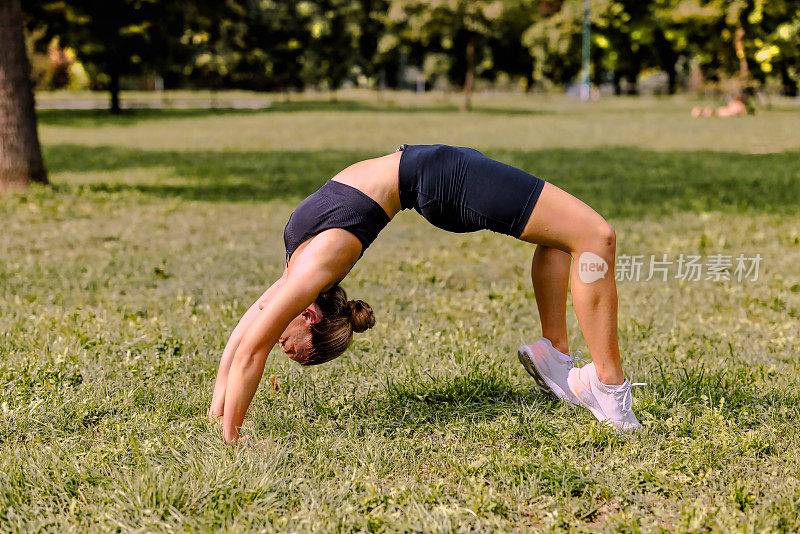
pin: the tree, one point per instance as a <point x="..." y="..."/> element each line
<point x="780" y="51"/>
<point x="623" y="34"/>
<point x="20" y="154"/>
<point x="677" y="25"/>
<point x="258" y="44"/>
<point x="751" y="40"/>
<point x="112" y="39"/>
<point x="340" y="44"/>
<point x="508" y="53"/>
<point x="247" y="44"/>
<point x="628" y="26"/>
<point x="766" y="39"/>
<point x="554" y="40"/>
<point x="462" y="29"/>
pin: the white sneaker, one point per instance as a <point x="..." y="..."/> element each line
<point x="610" y="404"/>
<point x="549" y="367"/>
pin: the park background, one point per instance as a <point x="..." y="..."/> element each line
<point x="630" y="46"/>
<point x="154" y="217"/>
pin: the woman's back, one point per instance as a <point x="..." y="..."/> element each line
<point x="378" y="179"/>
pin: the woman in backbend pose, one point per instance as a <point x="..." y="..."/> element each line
<point x="458" y="189"/>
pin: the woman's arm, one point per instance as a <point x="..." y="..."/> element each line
<point x="325" y="260"/>
<point x="250" y="356"/>
<point x="218" y="400"/>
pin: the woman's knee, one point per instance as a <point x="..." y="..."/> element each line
<point x="607" y="236"/>
<point x="599" y="238"/>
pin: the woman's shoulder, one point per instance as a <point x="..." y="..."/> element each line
<point x="332" y="253"/>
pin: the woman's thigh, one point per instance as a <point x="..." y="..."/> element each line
<point x="561" y="221"/>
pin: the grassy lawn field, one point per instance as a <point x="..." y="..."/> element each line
<point x="121" y="282"/>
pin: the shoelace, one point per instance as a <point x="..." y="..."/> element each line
<point x="574" y="358"/>
<point x="624" y="396"/>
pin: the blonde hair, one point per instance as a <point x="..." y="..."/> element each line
<point x="331" y="336"/>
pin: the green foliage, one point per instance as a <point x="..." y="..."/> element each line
<point x="626" y="38"/>
<point x="554" y="42"/>
<point x="707" y="30"/>
<point x="120" y="283"/>
<point x="111" y="38"/>
<point x="280" y="44"/>
<point x="448" y="27"/>
<point x="277" y="44"/>
<point x="116" y="39"/>
<point x="632" y="35"/>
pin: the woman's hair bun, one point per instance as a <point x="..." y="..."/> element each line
<point x="361" y="315"/>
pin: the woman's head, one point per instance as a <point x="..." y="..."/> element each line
<point x="325" y="329"/>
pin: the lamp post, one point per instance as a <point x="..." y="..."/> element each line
<point x="586" y="88"/>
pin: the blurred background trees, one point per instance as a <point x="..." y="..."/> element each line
<point x="653" y="46"/>
<point x="461" y="39"/>
<point x="528" y="44"/>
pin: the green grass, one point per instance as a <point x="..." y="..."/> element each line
<point x="522" y="123"/>
<point x="120" y="283"/>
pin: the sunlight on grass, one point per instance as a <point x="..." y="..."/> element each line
<point x="525" y="124"/>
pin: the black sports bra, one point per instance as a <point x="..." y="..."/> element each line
<point x="335" y="205"/>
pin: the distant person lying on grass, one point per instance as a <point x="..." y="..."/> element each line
<point x="458" y="189"/>
<point x="736" y="107"/>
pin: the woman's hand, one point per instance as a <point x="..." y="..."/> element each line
<point x="246" y="440"/>
<point x="215" y="419"/>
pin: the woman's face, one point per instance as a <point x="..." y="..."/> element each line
<point x="295" y="341"/>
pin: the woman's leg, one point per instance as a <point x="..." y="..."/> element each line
<point x="561" y="221"/>
<point x="550" y="278"/>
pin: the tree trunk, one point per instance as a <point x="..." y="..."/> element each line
<point x="113" y="88"/>
<point x="672" y="79"/>
<point x="788" y="85"/>
<point x="695" y="77"/>
<point x="633" y="78"/>
<point x="466" y="105"/>
<point x="738" y="43"/>
<point x="20" y="154"/>
<point x="529" y="81"/>
<point x="668" y="58"/>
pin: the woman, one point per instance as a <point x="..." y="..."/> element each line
<point x="460" y="190"/>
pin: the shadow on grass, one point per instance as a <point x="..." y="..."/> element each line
<point x="422" y="402"/>
<point x="227" y="176"/>
<point x="618" y="181"/>
<point x="391" y="107"/>
<point x="632" y="182"/>
<point x="102" y="117"/>
<point x="128" y="117"/>
<point x="477" y="395"/>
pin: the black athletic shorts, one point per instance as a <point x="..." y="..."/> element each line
<point x="460" y="190"/>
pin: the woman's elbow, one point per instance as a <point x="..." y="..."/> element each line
<point x="245" y="359"/>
